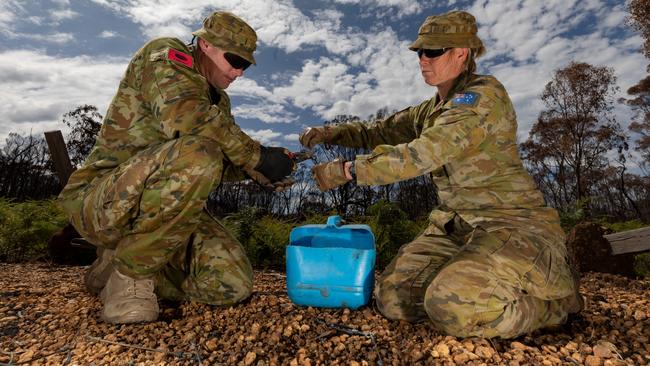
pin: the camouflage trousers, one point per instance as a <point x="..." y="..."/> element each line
<point x="150" y="209"/>
<point x="476" y="282"/>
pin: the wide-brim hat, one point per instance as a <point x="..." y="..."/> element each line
<point x="229" y="33"/>
<point x="453" y="29"/>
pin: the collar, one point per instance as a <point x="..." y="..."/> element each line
<point x="460" y="83"/>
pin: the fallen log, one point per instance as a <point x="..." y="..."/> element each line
<point x="631" y="241"/>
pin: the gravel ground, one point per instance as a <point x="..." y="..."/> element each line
<point x="46" y="317"/>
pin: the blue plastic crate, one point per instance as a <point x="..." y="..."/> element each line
<point x="331" y="265"/>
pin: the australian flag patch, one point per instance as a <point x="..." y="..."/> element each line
<point x="467" y="98"/>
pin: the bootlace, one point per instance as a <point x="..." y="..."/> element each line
<point x="142" y="289"/>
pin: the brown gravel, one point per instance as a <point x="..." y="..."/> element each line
<point x="46" y="317"/>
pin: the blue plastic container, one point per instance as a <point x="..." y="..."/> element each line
<point x="331" y="265"/>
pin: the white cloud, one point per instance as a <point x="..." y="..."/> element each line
<point x="57" y="37"/>
<point x="388" y="76"/>
<point x="39" y="89"/>
<point x="528" y="41"/>
<point x="265" y="112"/>
<point x="404" y="7"/>
<point x="265" y="137"/>
<point x="291" y="137"/>
<point x="9" y="13"/>
<point x="63" y="14"/>
<point x="108" y="34"/>
<point x="278" y="23"/>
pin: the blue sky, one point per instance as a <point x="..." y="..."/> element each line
<point x="316" y="59"/>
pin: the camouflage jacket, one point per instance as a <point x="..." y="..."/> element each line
<point x="161" y="97"/>
<point x="467" y="142"/>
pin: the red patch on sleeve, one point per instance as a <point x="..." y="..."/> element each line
<point x="180" y="57"/>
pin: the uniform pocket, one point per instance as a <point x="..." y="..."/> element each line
<point x="550" y="278"/>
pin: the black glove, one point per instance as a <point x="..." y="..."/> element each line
<point x="275" y="163"/>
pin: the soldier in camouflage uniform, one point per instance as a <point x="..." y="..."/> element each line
<point x="492" y="262"/>
<point x="167" y="140"/>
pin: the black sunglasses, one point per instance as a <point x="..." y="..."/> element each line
<point x="432" y="53"/>
<point x="236" y="62"/>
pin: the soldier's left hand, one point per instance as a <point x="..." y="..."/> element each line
<point x="330" y="175"/>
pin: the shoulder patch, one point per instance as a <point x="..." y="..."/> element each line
<point x="466" y="98"/>
<point x="180" y="57"/>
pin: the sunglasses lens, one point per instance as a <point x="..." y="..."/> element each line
<point x="431" y="53"/>
<point x="236" y="62"/>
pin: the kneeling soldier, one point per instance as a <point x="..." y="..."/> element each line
<point x="492" y="262"/>
<point x="167" y="140"/>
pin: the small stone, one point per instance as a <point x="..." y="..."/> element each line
<point x="250" y="358"/>
<point x="593" y="361"/>
<point x="287" y="331"/>
<point x="484" y="352"/>
<point x="518" y="345"/>
<point x="461" y="358"/>
<point x="211" y="344"/>
<point x="416" y="355"/>
<point x="604" y="349"/>
<point x="577" y="356"/>
<point x="442" y="349"/>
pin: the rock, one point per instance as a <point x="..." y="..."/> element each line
<point x="250" y="358"/>
<point x="442" y="349"/>
<point x="484" y="352"/>
<point x="518" y="345"/>
<point x="461" y="358"/>
<point x="593" y="361"/>
<point x="604" y="349"/>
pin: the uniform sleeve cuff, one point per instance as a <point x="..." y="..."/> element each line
<point x="361" y="167"/>
<point x="255" y="156"/>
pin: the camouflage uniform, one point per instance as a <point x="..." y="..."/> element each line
<point x="167" y="140"/>
<point x="492" y="261"/>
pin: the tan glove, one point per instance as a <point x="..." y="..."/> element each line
<point x="313" y="136"/>
<point x="330" y="175"/>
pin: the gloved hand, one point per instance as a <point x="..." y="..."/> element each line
<point x="273" y="171"/>
<point x="313" y="136"/>
<point x="330" y="175"/>
<point x="275" y="163"/>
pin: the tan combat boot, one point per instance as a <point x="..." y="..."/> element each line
<point x="98" y="272"/>
<point x="128" y="300"/>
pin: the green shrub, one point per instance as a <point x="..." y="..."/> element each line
<point x="572" y="215"/>
<point x="264" y="237"/>
<point x="26" y="227"/>
<point x="391" y="228"/>
<point x="642" y="264"/>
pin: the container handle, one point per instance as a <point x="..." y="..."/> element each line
<point x="334" y="221"/>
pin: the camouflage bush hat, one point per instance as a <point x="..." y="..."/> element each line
<point x="452" y="29"/>
<point x="230" y="33"/>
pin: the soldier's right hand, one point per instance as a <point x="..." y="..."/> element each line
<point x="313" y="136"/>
<point x="275" y="163"/>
